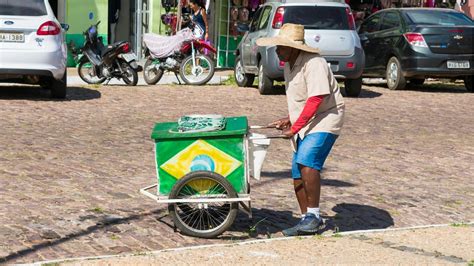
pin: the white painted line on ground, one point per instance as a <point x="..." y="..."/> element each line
<point x="156" y="252"/>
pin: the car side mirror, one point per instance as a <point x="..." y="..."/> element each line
<point x="363" y="37"/>
<point x="65" y="26"/>
<point x="242" y="27"/>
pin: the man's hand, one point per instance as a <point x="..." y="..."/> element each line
<point x="283" y="123"/>
<point x="288" y="133"/>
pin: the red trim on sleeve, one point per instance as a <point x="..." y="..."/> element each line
<point x="308" y="112"/>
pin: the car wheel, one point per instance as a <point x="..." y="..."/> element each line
<point x="394" y="75"/>
<point x="242" y="79"/>
<point x="353" y="87"/>
<point x="468" y="80"/>
<point x="265" y="84"/>
<point x="59" y="87"/>
<point x="417" y="82"/>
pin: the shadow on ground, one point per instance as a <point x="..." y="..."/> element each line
<point x="438" y="88"/>
<point x="35" y="93"/>
<point x="103" y="223"/>
<point x="264" y="222"/>
<point x="349" y="217"/>
<point x="269" y="177"/>
<point x="368" y="94"/>
<point x="445" y="87"/>
<point x="352" y="217"/>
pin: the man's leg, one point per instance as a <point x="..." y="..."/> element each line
<point x="311" y="180"/>
<point x="300" y="194"/>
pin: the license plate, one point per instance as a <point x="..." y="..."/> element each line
<point x="458" y="64"/>
<point x="129" y="57"/>
<point x="12" y="37"/>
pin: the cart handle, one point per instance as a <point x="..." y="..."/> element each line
<point x="269" y="137"/>
<point x="262" y="127"/>
<point x="278" y="136"/>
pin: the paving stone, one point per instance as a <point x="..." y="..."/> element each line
<point x="75" y="167"/>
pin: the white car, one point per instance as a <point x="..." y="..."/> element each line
<point x="32" y="45"/>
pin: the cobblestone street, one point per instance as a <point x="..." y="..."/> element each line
<point x="70" y="171"/>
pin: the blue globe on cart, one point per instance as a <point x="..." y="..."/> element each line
<point x="203" y="163"/>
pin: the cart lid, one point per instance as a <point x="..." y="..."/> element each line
<point x="234" y="126"/>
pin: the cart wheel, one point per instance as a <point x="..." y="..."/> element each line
<point x="203" y="219"/>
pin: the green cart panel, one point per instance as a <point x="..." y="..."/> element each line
<point x="178" y="154"/>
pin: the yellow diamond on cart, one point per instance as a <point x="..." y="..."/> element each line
<point x="200" y="155"/>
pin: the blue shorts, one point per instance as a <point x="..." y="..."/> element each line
<point x="312" y="151"/>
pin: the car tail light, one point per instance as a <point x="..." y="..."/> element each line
<point x="126" y="48"/>
<point x="278" y="19"/>
<point x="281" y="64"/>
<point x="415" y="39"/>
<point x="350" y="65"/>
<point x="48" y="28"/>
<point x="350" y="19"/>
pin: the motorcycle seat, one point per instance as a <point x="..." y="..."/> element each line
<point x="111" y="47"/>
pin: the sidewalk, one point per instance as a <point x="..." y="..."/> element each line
<point x="439" y="244"/>
<point x="167" y="79"/>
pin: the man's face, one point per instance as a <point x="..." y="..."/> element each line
<point x="284" y="53"/>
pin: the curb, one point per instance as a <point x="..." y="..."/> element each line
<point x="371" y="231"/>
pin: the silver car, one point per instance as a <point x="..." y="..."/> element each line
<point x="329" y="26"/>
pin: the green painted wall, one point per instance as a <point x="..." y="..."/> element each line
<point x="80" y="14"/>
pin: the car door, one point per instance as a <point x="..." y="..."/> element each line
<point x="370" y="41"/>
<point x="249" y="38"/>
<point x="390" y="32"/>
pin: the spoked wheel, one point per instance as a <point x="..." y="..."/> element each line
<point x="88" y="74"/>
<point x="129" y="75"/>
<point x="151" y="73"/>
<point x="203" y="219"/>
<point x="199" y="74"/>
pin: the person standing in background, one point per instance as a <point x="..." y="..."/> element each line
<point x="114" y="14"/>
<point x="199" y="17"/>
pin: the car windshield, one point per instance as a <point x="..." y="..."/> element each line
<point x="22" y="8"/>
<point x="437" y="17"/>
<point x="317" y="17"/>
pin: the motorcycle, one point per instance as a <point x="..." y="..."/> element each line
<point x="183" y="54"/>
<point x="101" y="63"/>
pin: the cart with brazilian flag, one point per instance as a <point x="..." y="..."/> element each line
<point x="203" y="167"/>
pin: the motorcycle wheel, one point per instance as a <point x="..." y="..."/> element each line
<point x="129" y="75"/>
<point x="151" y="74"/>
<point x="199" y="75"/>
<point x="88" y="74"/>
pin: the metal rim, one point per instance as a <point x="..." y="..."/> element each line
<point x="87" y="71"/>
<point x="239" y="72"/>
<point x="260" y="76"/>
<point x="203" y="217"/>
<point x="151" y="71"/>
<point x="128" y="73"/>
<point x="392" y="73"/>
<point x="200" y="72"/>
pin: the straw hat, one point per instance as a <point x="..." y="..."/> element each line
<point x="291" y="35"/>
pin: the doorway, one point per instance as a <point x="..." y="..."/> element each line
<point x="59" y="9"/>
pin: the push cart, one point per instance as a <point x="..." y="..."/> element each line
<point x="204" y="176"/>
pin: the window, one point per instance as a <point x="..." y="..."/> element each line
<point x="265" y="18"/>
<point x="391" y="20"/>
<point x="370" y="25"/>
<point x="255" y="20"/>
<point x="317" y="17"/>
<point x="438" y="17"/>
<point x="22" y="8"/>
